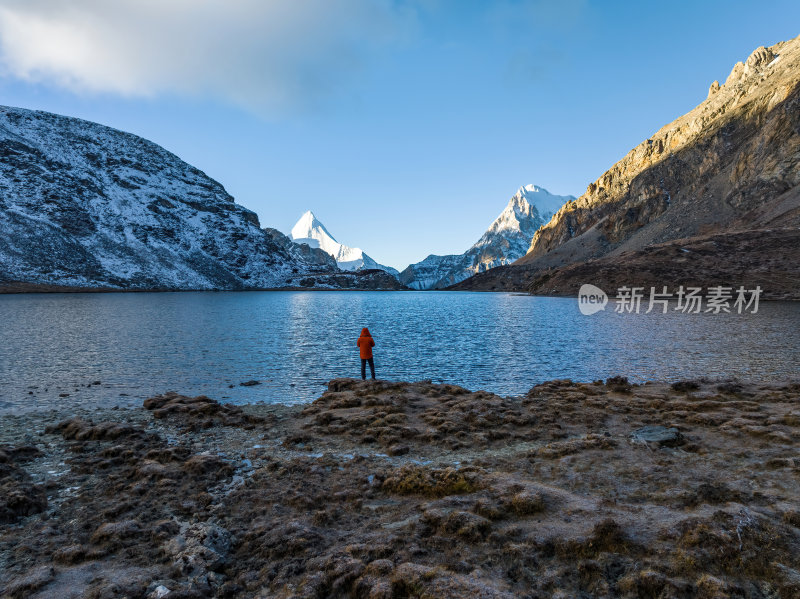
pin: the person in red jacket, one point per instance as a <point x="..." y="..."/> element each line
<point x="365" y="344"/>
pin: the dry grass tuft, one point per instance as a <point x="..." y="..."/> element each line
<point x="558" y="449"/>
<point x="431" y="482"/>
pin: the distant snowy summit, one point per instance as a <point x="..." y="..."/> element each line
<point x="507" y="239"/>
<point x="312" y="232"/>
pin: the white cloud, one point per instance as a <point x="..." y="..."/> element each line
<point x="265" y="55"/>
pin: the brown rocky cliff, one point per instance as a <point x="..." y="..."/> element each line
<point x="731" y="163"/>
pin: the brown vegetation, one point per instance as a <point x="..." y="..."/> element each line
<point x="390" y="490"/>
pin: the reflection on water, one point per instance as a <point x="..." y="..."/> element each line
<point x="139" y="344"/>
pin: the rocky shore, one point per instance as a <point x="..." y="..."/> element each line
<point x="362" y="280"/>
<point x="391" y="490"/>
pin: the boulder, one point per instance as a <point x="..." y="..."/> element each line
<point x="661" y="435"/>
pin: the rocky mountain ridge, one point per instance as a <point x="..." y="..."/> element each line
<point x="86" y="206"/>
<point x="709" y="170"/>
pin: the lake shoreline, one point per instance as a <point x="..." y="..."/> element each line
<point x="39" y="288"/>
<point x="15" y="288"/>
<point x="387" y="489"/>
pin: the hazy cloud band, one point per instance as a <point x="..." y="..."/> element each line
<point x="264" y="55"/>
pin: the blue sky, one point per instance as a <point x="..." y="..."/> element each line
<point x="405" y="126"/>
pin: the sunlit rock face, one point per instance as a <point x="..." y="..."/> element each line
<point x="723" y="179"/>
<point x="731" y="163"/>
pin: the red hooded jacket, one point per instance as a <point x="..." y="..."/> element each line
<point x="365" y="344"/>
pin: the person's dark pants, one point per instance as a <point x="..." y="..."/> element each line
<point x="364" y="368"/>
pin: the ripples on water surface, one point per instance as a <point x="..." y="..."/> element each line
<point x="139" y="344"/>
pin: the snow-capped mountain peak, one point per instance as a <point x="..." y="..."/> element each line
<point x="545" y="202"/>
<point x="310" y="230"/>
<point x="518" y="208"/>
<point x="527" y="210"/>
<point x="310" y="227"/>
<point x="506" y="240"/>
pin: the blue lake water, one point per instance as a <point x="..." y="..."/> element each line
<point x="140" y="344"/>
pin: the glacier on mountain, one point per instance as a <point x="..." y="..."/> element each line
<point x="310" y="231"/>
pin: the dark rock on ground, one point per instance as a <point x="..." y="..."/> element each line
<point x="685" y="386"/>
<point x="19" y="496"/>
<point x="670" y="437"/>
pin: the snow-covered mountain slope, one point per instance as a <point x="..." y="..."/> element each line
<point x="310" y="231"/>
<point x="507" y="239"/>
<point x="435" y="272"/>
<point x="527" y="210"/>
<point x="86" y="205"/>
